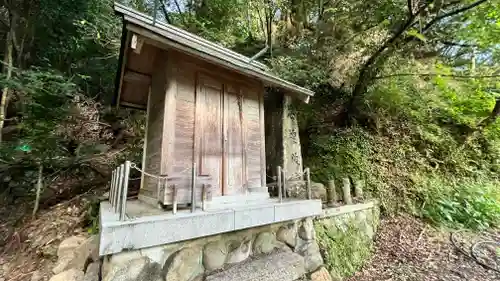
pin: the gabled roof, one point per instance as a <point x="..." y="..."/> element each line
<point x="189" y="43"/>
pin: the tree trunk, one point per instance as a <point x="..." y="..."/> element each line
<point x="8" y="70"/>
<point x="492" y="117"/>
<point x="38" y="189"/>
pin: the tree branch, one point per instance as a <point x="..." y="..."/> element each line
<point x="449" y="43"/>
<point x="180" y="12"/>
<point x="452" y="13"/>
<point x="437" y="74"/>
<point x="165" y="12"/>
<point x="410" y="8"/>
<point x="364" y="74"/>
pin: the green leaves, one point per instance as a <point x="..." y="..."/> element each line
<point x="416" y="34"/>
<point x="469" y="204"/>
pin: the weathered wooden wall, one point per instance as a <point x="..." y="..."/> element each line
<point x="155" y="128"/>
<point x="210" y="117"/>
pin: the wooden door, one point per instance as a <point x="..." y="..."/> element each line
<point x="234" y="161"/>
<point x="209" y="130"/>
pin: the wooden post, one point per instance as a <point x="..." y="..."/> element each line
<point x="126" y="174"/>
<point x="284" y="183"/>
<point x="358" y="189"/>
<point x="193" y="190"/>
<point x="174" y="199"/>
<point x="204" y="197"/>
<point x="308" y="183"/>
<point x="280" y="191"/>
<point x="112" y="188"/>
<point x="346" y="190"/>
<point x="117" y="188"/>
<point x="38" y="189"/>
<point x="331" y="193"/>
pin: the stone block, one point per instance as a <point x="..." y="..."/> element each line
<point x="284" y="266"/>
<point x="318" y="191"/>
<point x="311" y="253"/>
<point x="288" y="234"/>
<point x="240" y="251"/>
<point x="163" y="229"/>
<point x="184" y="265"/>
<point x="321" y="275"/>
<point x="68" y="245"/>
<point x="138" y="269"/>
<point x="264" y="243"/>
<point x="297" y="209"/>
<point x="78" y="257"/>
<point x="306" y="229"/>
<point x="214" y="255"/>
<point x="68" y="275"/>
<point x="250" y="217"/>
<point x="92" y="272"/>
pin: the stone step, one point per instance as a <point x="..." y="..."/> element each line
<point x="284" y="266"/>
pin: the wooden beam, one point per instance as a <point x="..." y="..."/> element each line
<point x="132" y="76"/>
<point x="136" y="43"/>
<point x="132" y="105"/>
<point x="122" y="70"/>
<point x="144" y="148"/>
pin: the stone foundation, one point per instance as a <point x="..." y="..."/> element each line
<point x="197" y="258"/>
<point x="315" y="248"/>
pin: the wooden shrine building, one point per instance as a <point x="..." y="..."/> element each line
<point x="209" y="144"/>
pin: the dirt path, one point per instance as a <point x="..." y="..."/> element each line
<point x="407" y="249"/>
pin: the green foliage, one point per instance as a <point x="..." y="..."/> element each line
<point x="92" y="216"/>
<point x="342" y="154"/>
<point x="469" y="204"/>
<point x="344" y="251"/>
<point x="42" y="103"/>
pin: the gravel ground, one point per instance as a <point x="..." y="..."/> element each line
<point x="407" y="249"/>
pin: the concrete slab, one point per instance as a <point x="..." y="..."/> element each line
<point x="285" y="266"/>
<point x="291" y="210"/>
<point x="336" y="211"/>
<point x="146" y="228"/>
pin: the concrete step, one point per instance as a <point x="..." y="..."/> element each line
<point x="284" y="266"/>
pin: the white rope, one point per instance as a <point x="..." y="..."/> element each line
<point x="134" y="166"/>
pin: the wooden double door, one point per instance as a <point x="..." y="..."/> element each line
<point x="228" y="134"/>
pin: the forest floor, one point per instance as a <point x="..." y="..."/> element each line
<point x="407" y="249"/>
<point x="28" y="246"/>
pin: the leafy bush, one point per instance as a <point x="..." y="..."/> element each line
<point x="469" y="204"/>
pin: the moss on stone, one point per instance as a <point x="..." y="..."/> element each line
<point x="344" y="249"/>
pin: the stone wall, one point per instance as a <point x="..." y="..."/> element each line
<point x="334" y="244"/>
<point x="198" y="258"/>
<point x="345" y="236"/>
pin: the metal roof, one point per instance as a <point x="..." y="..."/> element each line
<point x="187" y="42"/>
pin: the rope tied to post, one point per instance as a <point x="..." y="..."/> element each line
<point x="134" y="166"/>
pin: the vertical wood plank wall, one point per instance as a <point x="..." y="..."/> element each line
<point x="155" y="127"/>
<point x="203" y="114"/>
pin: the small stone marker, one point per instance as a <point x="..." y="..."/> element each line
<point x="358" y="189"/>
<point x="346" y="190"/>
<point x="332" y="193"/>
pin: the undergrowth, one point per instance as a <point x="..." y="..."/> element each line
<point x="344" y="252"/>
<point x="421" y="151"/>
